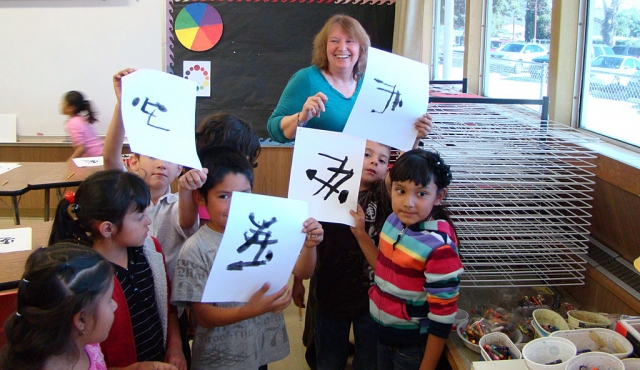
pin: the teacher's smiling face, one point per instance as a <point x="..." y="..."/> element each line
<point x="343" y="51"/>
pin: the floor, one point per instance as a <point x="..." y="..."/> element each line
<point x="295" y="326"/>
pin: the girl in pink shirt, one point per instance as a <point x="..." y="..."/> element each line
<point x="81" y="117"/>
<point x="64" y="309"/>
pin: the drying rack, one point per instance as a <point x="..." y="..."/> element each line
<point x="520" y="196"/>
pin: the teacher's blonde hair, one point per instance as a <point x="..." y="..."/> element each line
<point x="354" y="29"/>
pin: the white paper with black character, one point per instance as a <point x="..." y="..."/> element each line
<point x="394" y="94"/>
<point x="158" y="110"/>
<point x="261" y="243"/>
<point x="326" y="172"/>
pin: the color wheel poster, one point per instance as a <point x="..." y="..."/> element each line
<point x="200" y="73"/>
<point x="198" y="27"/>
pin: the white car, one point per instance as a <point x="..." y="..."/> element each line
<point x="517" y="55"/>
<point x="613" y="70"/>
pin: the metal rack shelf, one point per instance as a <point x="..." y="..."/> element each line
<point x="520" y="197"/>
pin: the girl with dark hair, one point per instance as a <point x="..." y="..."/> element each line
<point x="108" y="214"/>
<point x="81" y="116"/>
<point x="64" y="309"/>
<point x="414" y="297"/>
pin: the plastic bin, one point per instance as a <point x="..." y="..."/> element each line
<point x="595" y="360"/>
<point x="498" y="339"/>
<point x="542" y="351"/>
<point x="631" y="363"/>
<point x="542" y="318"/>
<point x="460" y="330"/>
<point x="598" y="340"/>
<point x="586" y="319"/>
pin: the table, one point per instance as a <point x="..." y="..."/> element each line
<point x="12" y="263"/>
<point x="18" y="183"/>
<point x="59" y="175"/>
<point x="41" y="176"/>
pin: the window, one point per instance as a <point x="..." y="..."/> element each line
<point x="610" y="96"/>
<point x="449" y="33"/>
<point x="518" y="69"/>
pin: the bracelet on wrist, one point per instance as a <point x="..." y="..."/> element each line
<point x="300" y="124"/>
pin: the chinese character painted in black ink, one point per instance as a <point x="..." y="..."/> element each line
<point x="396" y="101"/>
<point x="342" y="195"/>
<point x="7" y="239"/>
<point x="255" y="239"/>
<point x="159" y="106"/>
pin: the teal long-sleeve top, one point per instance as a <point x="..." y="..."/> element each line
<point x="303" y="84"/>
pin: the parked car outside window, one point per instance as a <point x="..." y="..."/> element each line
<point x="633" y="51"/>
<point x="515" y="54"/>
<point x="614" y="75"/>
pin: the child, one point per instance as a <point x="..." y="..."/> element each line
<point x="85" y="141"/>
<point x="174" y="217"/>
<point x="343" y="275"/>
<point x="64" y="309"/>
<point x="413" y="314"/>
<point x="108" y="213"/>
<point x="222" y="129"/>
<point x="233" y="335"/>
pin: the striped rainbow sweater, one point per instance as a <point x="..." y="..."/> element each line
<point x="415" y="290"/>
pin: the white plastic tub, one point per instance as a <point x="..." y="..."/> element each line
<point x="586" y="319"/>
<point x="543" y="317"/>
<point x="598" y="340"/>
<point x="595" y="360"/>
<point x="542" y="351"/>
<point x="498" y="339"/>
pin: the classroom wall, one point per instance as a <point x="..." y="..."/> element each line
<point x="50" y="47"/>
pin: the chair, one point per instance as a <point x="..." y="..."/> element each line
<point x="8" y="303"/>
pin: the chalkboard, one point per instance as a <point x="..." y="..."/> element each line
<point x="263" y="44"/>
<point x="52" y="46"/>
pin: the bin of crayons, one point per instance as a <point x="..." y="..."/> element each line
<point x="472" y="331"/>
<point x="497" y="346"/>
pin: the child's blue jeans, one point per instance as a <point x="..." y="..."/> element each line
<point x="399" y="358"/>
<point x="332" y="342"/>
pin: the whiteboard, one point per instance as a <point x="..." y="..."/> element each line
<point x="52" y="46"/>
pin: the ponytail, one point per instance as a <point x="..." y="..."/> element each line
<point x="91" y="115"/>
<point x="66" y="227"/>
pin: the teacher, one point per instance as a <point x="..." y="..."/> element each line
<point x="321" y="96"/>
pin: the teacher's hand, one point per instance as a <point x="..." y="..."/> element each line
<point x="313" y="107"/>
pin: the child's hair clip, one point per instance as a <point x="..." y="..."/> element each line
<point x="70" y="197"/>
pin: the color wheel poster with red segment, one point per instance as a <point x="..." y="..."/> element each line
<point x="262" y="45"/>
<point x="198" y="27"/>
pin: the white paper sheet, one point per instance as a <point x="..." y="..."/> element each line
<point x="324" y="152"/>
<point x="200" y="73"/>
<point x="15" y="240"/>
<point x="394" y="94"/>
<point x="8" y="128"/>
<point x="6" y="167"/>
<point x="232" y="281"/>
<point x="88" y="161"/>
<point x="158" y="110"/>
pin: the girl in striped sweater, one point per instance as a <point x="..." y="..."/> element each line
<point x="413" y="299"/>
